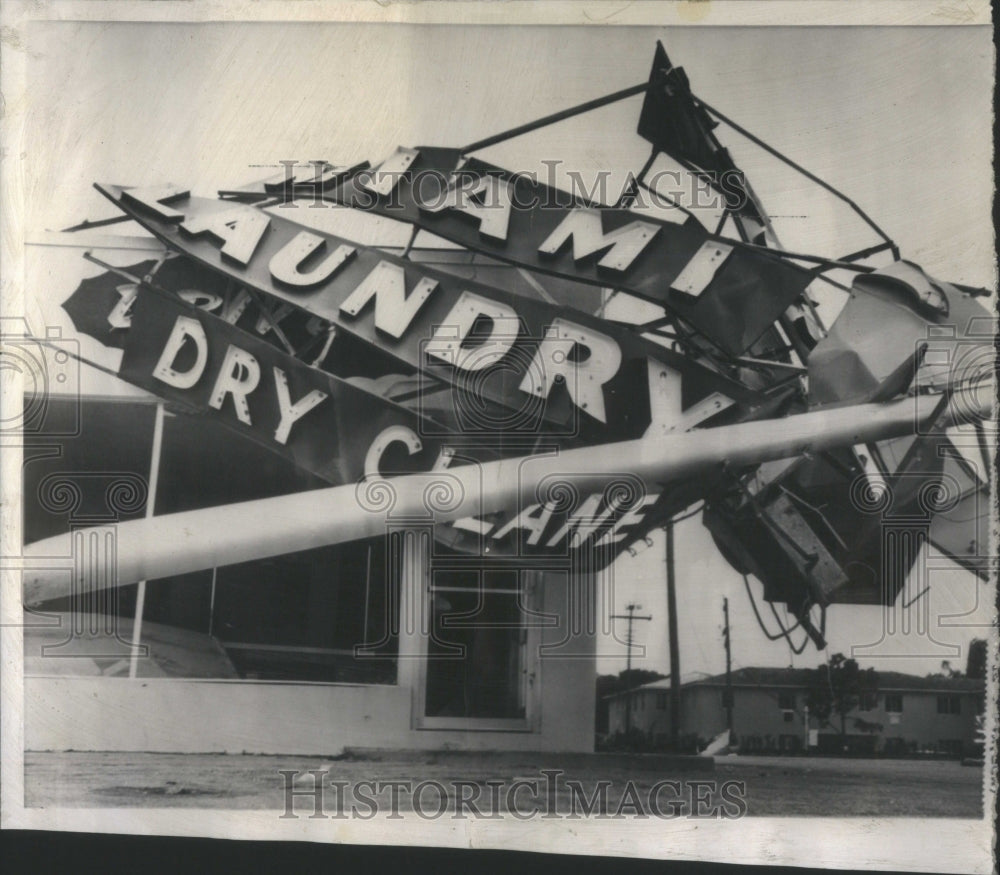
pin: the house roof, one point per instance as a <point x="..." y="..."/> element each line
<point x="799" y="678"/>
<point x="887" y="680"/>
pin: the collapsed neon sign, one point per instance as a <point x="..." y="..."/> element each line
<point x="431" y="319"/>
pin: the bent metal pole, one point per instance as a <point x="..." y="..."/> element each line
<point x="195" y="540"/>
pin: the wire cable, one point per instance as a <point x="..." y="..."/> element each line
<point x="783" y="633"/>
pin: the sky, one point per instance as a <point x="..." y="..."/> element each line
<point x="898" y="118"/>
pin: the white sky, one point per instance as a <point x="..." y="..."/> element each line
<point x="898" y="118"/>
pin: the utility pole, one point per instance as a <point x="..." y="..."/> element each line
<point x="675" y="645"/>
<point x="632" y="607"/>
<point x="729" y="675"/>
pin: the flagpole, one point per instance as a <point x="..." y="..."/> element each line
<point x="154" y="477"/>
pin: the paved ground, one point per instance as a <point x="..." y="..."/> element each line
<point x="756" y="786"/>
<point x="833" y="787"/>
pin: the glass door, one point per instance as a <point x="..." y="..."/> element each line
<point x="480" y="670"/>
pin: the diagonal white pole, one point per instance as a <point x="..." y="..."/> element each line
<point x="154" y="478"/>
<point x="195" y="540"/>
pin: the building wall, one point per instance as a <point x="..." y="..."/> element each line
<point x="920" y="723"/>
<point x="702" y="712"/>
<point x="201" y="466"/>
<point x="761" y="724"/>
<point x="762" y="712"/>
<point x="650" y="712"/>
<point x="203" y="716"/>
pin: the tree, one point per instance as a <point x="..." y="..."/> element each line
<point x="975" y="664"/>
<point x="838" y="687"/>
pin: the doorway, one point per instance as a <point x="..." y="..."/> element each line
<point x="480" y="670"/>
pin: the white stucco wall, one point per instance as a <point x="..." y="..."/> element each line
<point x="202" y="716"/>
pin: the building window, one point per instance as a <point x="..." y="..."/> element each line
<point x="867" y="702"/>
<point x="661" y="701"/>
<point x="788" y="716"/>
<point x="893" y="703"/>
<point x="322" y="615"/>
<point x="949" y="705"/>
<point x="786" y="701"/>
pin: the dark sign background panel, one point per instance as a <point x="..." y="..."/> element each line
<point x="562" y="291"/>
<point x="748" y="293"/>
<point x="331" y="440"/>
<point x="626" y="393"/>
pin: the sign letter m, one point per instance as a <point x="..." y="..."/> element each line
<point x="586" y="229"/>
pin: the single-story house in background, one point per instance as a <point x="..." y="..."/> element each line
<point x="909" y="715"/>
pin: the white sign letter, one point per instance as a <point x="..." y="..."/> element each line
<point x="585" y="359"/>
<point x="381" y="443"/>
<point x="487" y="200"/>
<point x="292" y="413"/>
<point x="238" y="376"/>
<point x="184" y="327"/>
<point x="665" y="402"/>
<point x="384" y="178"/>
<point x="631" y="518"/>
<point x="586" y="229"/>
<point x="121" y="316"/>
<point x="394" y="309"/>
<point x="240" y="230"/>
<point x="285" y="265"/>
<point x="447" y="342"/>
<point x="527" y="520"/>
<point x="702" y="268"/>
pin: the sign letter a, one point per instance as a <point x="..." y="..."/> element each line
<point x="492" y="213"/>
<point x="240" y="230"/>
<point x="185" y="327"/>
<point x="386" y="176"/>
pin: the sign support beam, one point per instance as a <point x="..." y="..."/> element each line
<point x="597" y="103"/>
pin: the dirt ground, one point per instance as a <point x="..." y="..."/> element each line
<point x="755" y="786"/>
